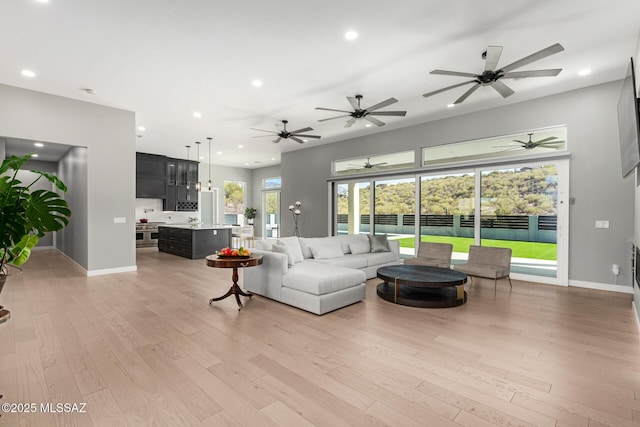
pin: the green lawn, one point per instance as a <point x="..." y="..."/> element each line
<point x="534" y="250"/>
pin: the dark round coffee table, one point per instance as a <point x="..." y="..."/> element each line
<point x="422" y="286"/>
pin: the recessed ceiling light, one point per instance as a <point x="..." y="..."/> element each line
<point x="246" y="164"/>
<point x="42" y="1"/>
<point x="197" y="114"/>
<point x="201" y="157"/>
<point x="451" y="105"/>
<point x="256" y="83"/>
<point x="350" y="35"/>
<point x="584" y="72"/>
<point x="305" y="140"/>
<point x="142" y="128"/>
<point x="240" y="146"/>
<point x="273" y="158"/>
<point x="368" y="125"/>
<point x="38" y="144"/>
<point x="88" y="90"/>
<point x="34" y="155"/>
<point x="219" y="152"/>
<point x="28" y="73"/>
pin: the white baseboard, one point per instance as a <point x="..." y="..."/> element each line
<point x="601" y="286"/>
<point x="112" y="270"/>
<point x="103" y="271"/>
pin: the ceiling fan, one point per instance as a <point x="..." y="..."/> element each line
<point x="492" y="76"/>
<point x="529" y="145"/>
<point x="296" y="135"/>
<point x="364" y="113"/>
<point x="368" y="164"/>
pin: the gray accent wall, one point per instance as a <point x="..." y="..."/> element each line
<point x="109" y="137"/>
<point x="596" y="182"/>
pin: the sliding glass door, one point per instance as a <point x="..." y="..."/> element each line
<point x="447" y="206"/>
<point x="521" y="206"/>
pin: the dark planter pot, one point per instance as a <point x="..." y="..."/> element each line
<point x="4" y="314"/>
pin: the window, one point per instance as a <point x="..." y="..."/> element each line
<point x="524" y="145"/>
<point x="269" y="183"/>
<point x="377" y="163"/>
<point x="234" y="202"/>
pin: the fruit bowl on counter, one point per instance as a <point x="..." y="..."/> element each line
<point x="233" y="253"/>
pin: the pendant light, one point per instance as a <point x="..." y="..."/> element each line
<point x="198" y="183"/>
<point x="209" y="183"/>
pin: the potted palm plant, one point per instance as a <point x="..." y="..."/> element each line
<point x="25" y="215"/>
<point x="250" y="214"/>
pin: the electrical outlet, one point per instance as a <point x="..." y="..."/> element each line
<point x="615" y="268"/>
<point x="602" y="224"/>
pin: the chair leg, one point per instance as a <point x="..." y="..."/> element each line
<point x="508" y="277"/>
<point x="495" y="285"/>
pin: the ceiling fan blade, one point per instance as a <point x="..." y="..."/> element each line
<point x="448" y="87"/>
<point x="354" y="102"/>
<point x="534" y="57"/>
<point x="453" y="73"/>
<point x="389" y="113"/>
<point x="278" y="139"/>
<point x="331" y="109"/>
<point x="337" y="117"/>
<point x="551" y="138"/>
<point x="262" y="136"/>
<point x="301" y="130"/>
<point x="551" y="143"/>
<point x="374" y="120"/>
<point x="502" y="88"/>
<point x="307" y="136"/>
<point x="298" y="140"/>
<point x="262" y="130"/>
<point x="532" y="73"/>
<point x="377" y="164"/>
<point x="492" y="57"/>
<point x="350" y="122"/>
<point x="382" y="104"/>
<point x="467" y="93"/>
<point x="517" y="140"/>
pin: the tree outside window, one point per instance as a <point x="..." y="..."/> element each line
<point x="234" y="205"/>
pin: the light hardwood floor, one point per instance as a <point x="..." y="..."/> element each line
<point x="145" y="348"/>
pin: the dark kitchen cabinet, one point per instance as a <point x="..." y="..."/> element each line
<point x="194" y="243"/>
<point x="151" y="181"/>
<point x="182" y="176"/>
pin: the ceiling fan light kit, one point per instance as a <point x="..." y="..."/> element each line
<point x="493" y="76"/>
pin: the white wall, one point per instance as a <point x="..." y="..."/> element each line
<point x="596" y="181"/>
<point x="109" y="135"/>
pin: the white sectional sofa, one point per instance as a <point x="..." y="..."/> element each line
<point x="319" y="274"/>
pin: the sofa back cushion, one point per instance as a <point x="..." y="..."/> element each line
<point x="264" y="244"/>
<point x="305" y="245"/>
<point x="360" y="245"/>
<point x="284" y="250"/>
<point x="379" y="243"/>
<point x="293" y="244"/>
<point x="326" y="247"/>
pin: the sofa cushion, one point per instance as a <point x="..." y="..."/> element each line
<point x="315" y="278"/>
<point x="284" y="250"/>
<point x="348" y="261"/>
<point x="379" y="243"/>
<point x="483" y="270"/>
<point x="293" y="244"/>
<point x="326" y="247"/>
<point x="378" y="258"/>
<point x="305" y="247"/>
<point x="361" y="246"/>
<point x="346" y="240"/>
<point x="264" y="244"/>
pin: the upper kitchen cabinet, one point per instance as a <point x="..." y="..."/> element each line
<point x="182" y="176"/>
<point x="151" y="178"/>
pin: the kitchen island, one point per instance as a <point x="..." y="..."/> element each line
<point x="193" y="241"/>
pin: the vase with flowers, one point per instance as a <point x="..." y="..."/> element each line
<point x="295" y="211"/>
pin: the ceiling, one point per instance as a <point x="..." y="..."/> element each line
<point x="165" y="60"/>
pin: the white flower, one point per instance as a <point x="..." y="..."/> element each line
<point x="298" y="204"/>
<point x="297" y="212"/>
<point x="291" y="207"/>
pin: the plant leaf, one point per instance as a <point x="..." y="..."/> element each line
<point x="22" y="250"/>
<point x="47" y="211"/>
